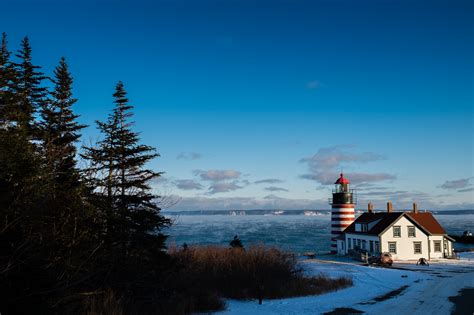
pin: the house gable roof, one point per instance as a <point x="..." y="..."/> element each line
<point x="425" y="221"/>
<point x="386" y="219"/>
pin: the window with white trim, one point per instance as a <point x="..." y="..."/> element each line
<point x="363" y="227"/>
<point x="437" y="246"/>
<point x="411" y="231"/>
<point x="377" y="247"/>
<point x="364" y="244"/>
<point x="397" y="231"/>
<point x="392" y="247"/>
<point x="417" y="247"/>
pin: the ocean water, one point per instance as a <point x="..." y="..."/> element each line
<point x="296" y="232"/>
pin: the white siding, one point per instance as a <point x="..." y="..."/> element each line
<point x="446" y="246"/>
<point x="361" y="237"/>
<point x="405" y="244"/>
<point x="449" y="248"/>
<point x="341" y="247"/>
<point x="433" y="239"/>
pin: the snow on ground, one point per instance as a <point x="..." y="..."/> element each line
<point x="427" y="289"/>
<point x="467" y="256"/>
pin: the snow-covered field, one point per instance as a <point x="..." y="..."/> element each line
<point x="424" y="290"/>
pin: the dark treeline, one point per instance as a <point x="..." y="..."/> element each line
<point x="68" y="236"/>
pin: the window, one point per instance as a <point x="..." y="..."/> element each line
<point x="364" y="244"/>
<point x="396" y="231"/>
<point x="411" y="231"/>
<point x="377" y="248"/>
<point x="358" y="243"/>
<point x="364" y="227"/>
<point x="417" y="247"/>
<point x="392" y="247"/>
<point x="353" y="243"/>
<point x="371" y="246"/>
<point x="437" y="246"/>
<point x="349" y="243"/>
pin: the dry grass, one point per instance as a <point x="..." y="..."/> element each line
<point x="107" y="303"/>
<point x="211" y="272"/>
<point x="202" y="276"/>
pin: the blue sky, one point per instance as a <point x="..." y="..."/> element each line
<point x="260" y="105"/>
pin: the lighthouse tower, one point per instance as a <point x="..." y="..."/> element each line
<point x="342" y="214"/>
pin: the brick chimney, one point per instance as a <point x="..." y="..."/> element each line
<point x="389" y="207"/>
<point x="415" y="208"/>
<point x="370" y="207"/>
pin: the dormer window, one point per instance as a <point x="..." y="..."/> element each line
<point x="362" y="227"/>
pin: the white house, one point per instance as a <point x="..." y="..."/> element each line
<point x="406" y="235"/>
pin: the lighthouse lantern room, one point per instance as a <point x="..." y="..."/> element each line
<point x="342" y="214"/>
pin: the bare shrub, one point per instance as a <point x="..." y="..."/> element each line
<point x="207" y="273"/>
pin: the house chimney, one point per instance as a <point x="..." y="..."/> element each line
<point x="389" y="207"/>
<point x="370" y="207"/>
<point x="415" y="208"/>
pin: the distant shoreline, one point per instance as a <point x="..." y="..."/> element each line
<point x="292" y="212"/>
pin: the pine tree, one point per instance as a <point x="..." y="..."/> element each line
<point x="60" y="131"/>
<point x="19" y="167"/>
<point x="4" y="53"/>
<point x="4" y="65"/>
<point x="29" y="93"/>
<point x="6" y="78"/>
<point x="118" y="162"/>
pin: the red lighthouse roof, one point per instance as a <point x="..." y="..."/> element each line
<point x="342" y="180"/>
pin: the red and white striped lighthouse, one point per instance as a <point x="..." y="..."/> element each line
<point x="342" y="214"/>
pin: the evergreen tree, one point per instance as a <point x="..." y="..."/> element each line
<point x="19" y="167"/>
<point x="6" y="78"/>
<point x="60" y="131"/>
<point x="29" y="93"/>
<point x="4" y="66"/>
<point x="4" y="53"/>
<point x="118" y="163"/>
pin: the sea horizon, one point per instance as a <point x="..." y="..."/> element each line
<point x="307" y="212"/>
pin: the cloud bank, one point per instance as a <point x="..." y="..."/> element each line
<point x="188" y="184"/>
<point x="217" y="175"/>
<point x="325" y="164"/>
<point x="269" y="181"/>
<point x="456" y="184"/>
<point x="188" y="156"/>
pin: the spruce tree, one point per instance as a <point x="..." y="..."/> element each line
<point x="6" y="79"/>
<point x="4" y="65"/>
<point x="29" y="93"/>
<point x="19" y="165"/>
<point x="60" y="131"/>
<point x="4" y="53"/>
<point x="118" y="161"/>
